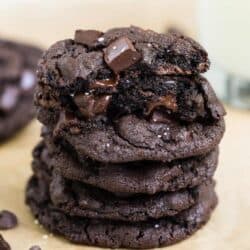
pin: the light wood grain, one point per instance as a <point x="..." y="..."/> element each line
<point x="228" y="228"/>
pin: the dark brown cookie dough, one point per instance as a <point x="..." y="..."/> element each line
<point x="188" y="99"/>
<point x="17" y="85"/>
<point x="107" y="233"/>
<point x="130" y="178"/>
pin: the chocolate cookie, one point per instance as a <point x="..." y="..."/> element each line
<point x="107" y="233"/>
<point x="135" y="177"/>
<point x="77" y="199"/>
<point x="118" y="50"/>
<point x="133" y="139"/>
<point x="126" y="71"/>
<point x="17" y="85"/>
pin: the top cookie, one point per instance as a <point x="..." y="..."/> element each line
<point x="94" y="55"/>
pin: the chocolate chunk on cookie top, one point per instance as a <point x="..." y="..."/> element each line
<point x="121" y="54"/>
<point x="94" y="55"/>
<point x="87" y="37"/>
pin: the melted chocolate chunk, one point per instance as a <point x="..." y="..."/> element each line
<point x="90" y="105"/>
<point x="121" y="54"/>
<point x="8" y="220"/>
<point x="87" y="37"/>
<point x="103" y="84"/>
<point x="4" y="244"/>
<point x="167" y="101"/>
<point x="8" y="98"/>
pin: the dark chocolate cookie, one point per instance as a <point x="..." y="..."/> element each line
<point x="127" y="71"/>
<point x="17" y="85"/>
<point x="133" y="139"/>
<point x="117" y="50"/>
<point x="107" y="233"/>
<point x="77" y="199"/>
<point x="135" y="177"/>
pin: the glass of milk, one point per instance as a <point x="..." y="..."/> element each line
<point x="224" y="30"/>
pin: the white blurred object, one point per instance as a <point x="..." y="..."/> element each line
<point x="223" y="30"/>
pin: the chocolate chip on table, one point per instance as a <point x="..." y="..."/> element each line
<point x="8" y="220"/>
<point x="35" y="248"/>
<point x="8" y="98"/>
<point x="87" y="37"/>
<point x="4" y="245"/>
<point x="121" y="54"/>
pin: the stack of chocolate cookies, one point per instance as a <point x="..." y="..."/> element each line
<point x="130" y="139"/>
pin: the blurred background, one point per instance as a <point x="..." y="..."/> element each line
<point x="221" y="26"/>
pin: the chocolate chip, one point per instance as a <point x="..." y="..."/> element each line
<point x="167" y="101"/>
<point x="28" y="81"/>
<point x="8" y="98"/>
<point x="121" y="54"/>
<point x="90" y="105"/>
<point x="4" y="245"/>
<point x="35" y="248"/>
<point x="8" y="220"/>
<point x="103" y="84"/>
<point x="87" y="37"/>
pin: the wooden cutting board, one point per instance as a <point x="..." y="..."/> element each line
<point x="229" y="227"/>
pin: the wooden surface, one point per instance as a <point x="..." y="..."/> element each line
<point x="228" y="228"/>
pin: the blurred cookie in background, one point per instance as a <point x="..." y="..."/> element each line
<point x="17" y="84"/>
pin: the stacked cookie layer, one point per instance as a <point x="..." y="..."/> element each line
<point x="130" y="139"/>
